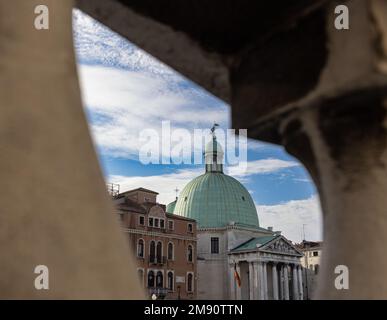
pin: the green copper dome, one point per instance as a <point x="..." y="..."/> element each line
<point x="215" y="200"/>
<point x="171" y="206"/>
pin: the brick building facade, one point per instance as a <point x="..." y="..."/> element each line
<point x="164" y="244"/>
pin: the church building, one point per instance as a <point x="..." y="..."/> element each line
<point x="236" y="258"/>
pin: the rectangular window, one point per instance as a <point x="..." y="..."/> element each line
<point x="150" y="223"/>
<point x="141" y="220"/>
<point x="162" y="223"/>
<point x="190" y="227"/>
<point x="315" y="253"/>
<point x="156" y="223"/>
<point x="170" y="225"/>
<point x="214" y="245"/>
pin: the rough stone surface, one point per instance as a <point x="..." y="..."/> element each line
<point x="54" y="206"/>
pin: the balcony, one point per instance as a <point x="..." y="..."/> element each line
<point x="156" y="229"/>
<point x="159" y="292"/>
<point x="157" y="260"/>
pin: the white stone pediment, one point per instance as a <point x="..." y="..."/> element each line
<point x="280" y="245"/>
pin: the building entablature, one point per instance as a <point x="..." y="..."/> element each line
<point x="273" y="260"/>
<point x="159" y="234"/>
<point x="236" y="227"/>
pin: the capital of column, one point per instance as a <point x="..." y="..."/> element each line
<point x="232" y="263"/>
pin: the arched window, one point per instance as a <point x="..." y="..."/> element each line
<point x="190" y="253"/>
<point x="140" y="273"/>
<point x="159" y="279"/>
<point x="189" y="282"/>
<point x="151" y="279"/>
<point x="140" y="248"/>
<point x="152" y="249"/>
<point x="159" y="250"/>
<point x="170" y="251"/>
<point x="170" y="280"/>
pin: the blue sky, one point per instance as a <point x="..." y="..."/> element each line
<point x="125" y="90"/>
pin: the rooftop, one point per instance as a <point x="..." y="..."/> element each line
<point x="254" y="243"/>
<point x="138" y="189"/>
<point x="307" y="245"/>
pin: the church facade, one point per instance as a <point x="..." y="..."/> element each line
<point x="236" y="258"/>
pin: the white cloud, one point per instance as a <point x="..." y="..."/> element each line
<point x="289" y="218"/>
<point x="126" y="90"/>
<point x="261" y="166"/>
<point x="97" y="44"/>
<point x="163" y="184"/>
<point x="258" y="145"/>
<point x="130" y="101"/>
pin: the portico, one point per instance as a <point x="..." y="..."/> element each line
<point x="269" y="270"/>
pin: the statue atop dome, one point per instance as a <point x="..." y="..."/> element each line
<point x="213" y="129"/>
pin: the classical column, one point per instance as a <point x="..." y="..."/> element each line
<point x="261" y="293"/>
<point x="232" y="283"/>
<point x="251" y="280"/>
<point x="295" y="283"/>
<point x="256" y="282"/>
<point x="281" y="282"/>
<point x="300" y="284"/>
<point x="237" y="287"/>
<point x="275" y="281"/>
<point x="286" y="282"/>
<point x="264" y="265"/>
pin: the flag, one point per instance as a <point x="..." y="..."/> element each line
<point x="236" y="276"/>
